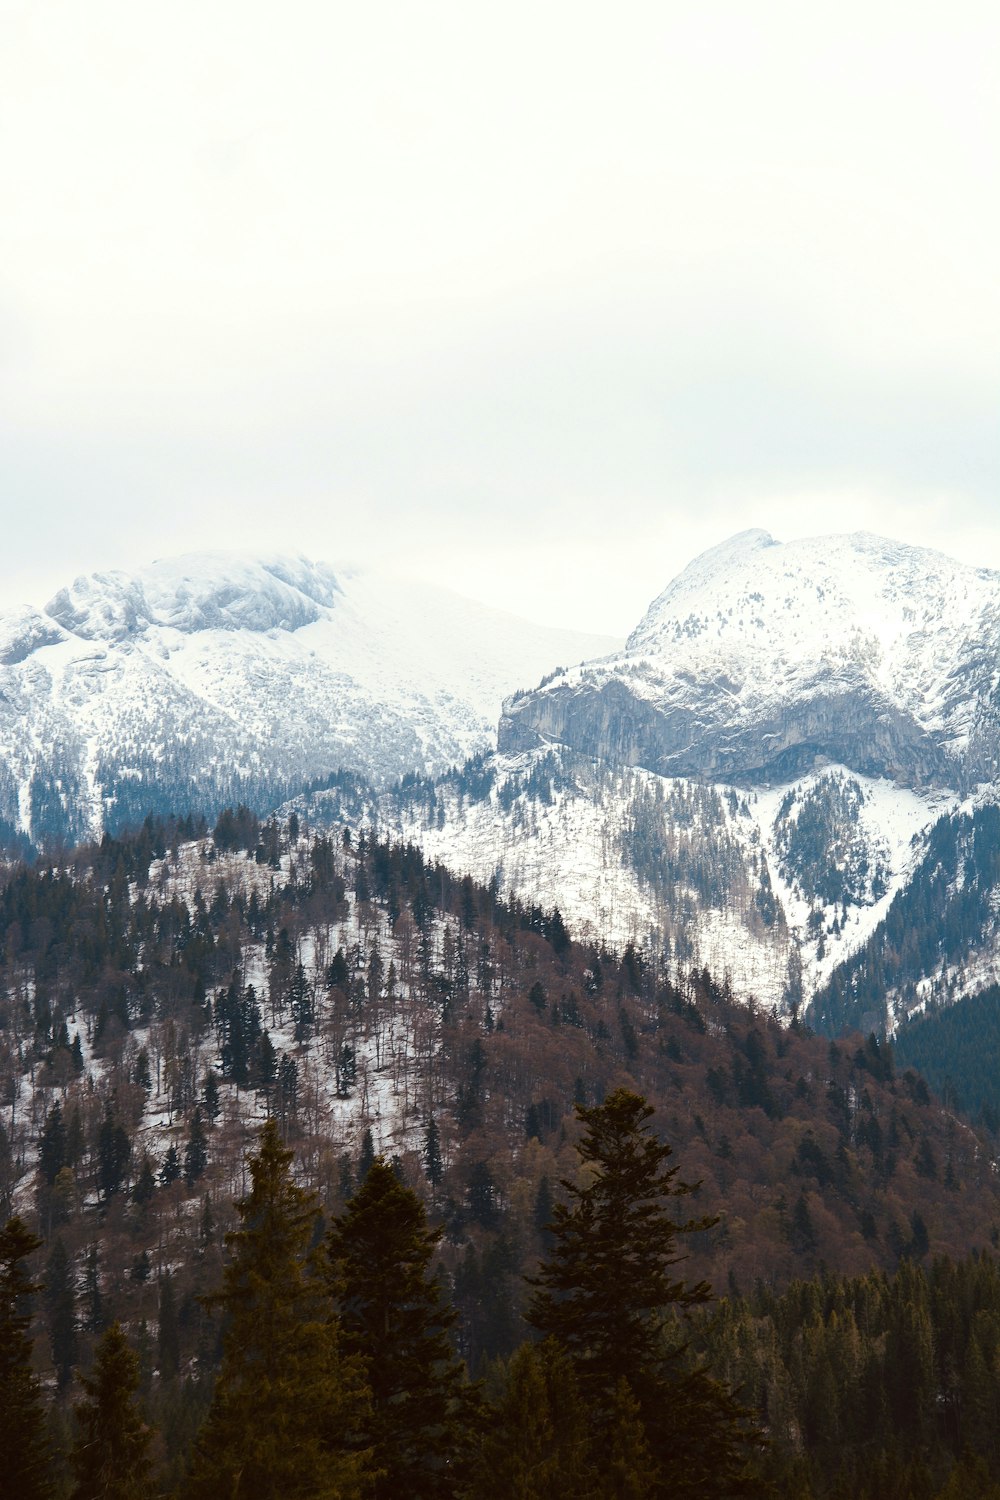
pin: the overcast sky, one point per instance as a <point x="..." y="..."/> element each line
<point x="537" y="300"/>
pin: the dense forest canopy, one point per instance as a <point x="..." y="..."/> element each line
<point x="165" y="992"/>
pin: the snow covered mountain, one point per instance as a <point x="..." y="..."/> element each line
<point x="788" y="773"/>
<point x="761" y="660"/>
<point x="213" y="678"/>
<point x="757" y="779"/>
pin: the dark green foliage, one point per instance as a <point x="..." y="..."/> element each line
<point x="943" y="913"/>
<point x="110" y="1457"/>
<point x="145" y="1186"/>
<point x="873" y="1385"/>
<point x="956" y="1050"/>
<point x="236" y="830"/>
<point x="812" y="1154"/>
<point x="52" y="1146"/>
<point x="196" y="1150"/>
<point x="212" y="1105"/>
<point x="60" y="1306"/>
<point x="433" y="1161"/>
<point x="167" y="1339"/>
<point x="395" y="1320"/>
<point x="114" y="1150"/>
<point x="289" y="1406"/>
<point x="819" y="847"/>
<point x="24" y="1461"/>
<point x="92" y="1299"/>
<point x="606" y="1294"/>
<point x="366" y="1156"/>
<point x="606" y="1288"/>
<point x="171" y="1169"/>
<point x="538" y="1443"/>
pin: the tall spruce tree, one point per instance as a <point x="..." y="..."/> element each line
<point x="110" y="1458"/>
<point x="537" y="1446"/>
<point x="25" y="1463"/>
<point x="608" y="1295"/>
<point x="289" y="1406"/>
<point x="394" y="1318"/>
<point x="60" y="1306"/>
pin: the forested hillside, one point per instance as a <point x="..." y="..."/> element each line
<point x="164" y="993"/>
<point x="936" y="940"/>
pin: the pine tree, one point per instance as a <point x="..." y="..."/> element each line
<point x="113" y="1151"/>
<point x="60" y="1303"/>
<point x="288" y="1404"/>
<point x="366" y="1156"/>
<point x="52" y="1145"/>
<point x="196" y="1150"/>
<point x="145" y="1187"/>
<point x="607" y="1295"/>
<point x="23" y="1452"/>
<point x="538" y="1443"/>
<point x="171" y="1169"/>
<point x="380" y="1250"/>
<point x="110" y="1456"/>
<point x="433" y="1162"/>
<point x="167" y="1339"/>
<point x="93" y="1301"/>
<point x="212" y="1102"/>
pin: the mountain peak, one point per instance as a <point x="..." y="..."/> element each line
<point x="197" y="591"/>
<point x="762" y="658"/>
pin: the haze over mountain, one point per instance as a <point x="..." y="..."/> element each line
<point x="219" y="677"/>
<point x="750" y="782"/>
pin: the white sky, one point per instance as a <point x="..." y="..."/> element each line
<point x="537" y="300"/>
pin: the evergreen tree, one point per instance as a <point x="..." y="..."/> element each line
<point x="212" y="1102"/>
<point x="145" y="1187"/>
<point x="93" y="1301"/>
<point x="110" y="1456"/>
<point x="366" y="1156"/>
<point x="60" y="1304"/>
<point x="168" y="1352"/>
<point x="393" y="1316"/>
<point x="171" y="1169"/>
<point x="113" y="1151"/>
<point x="52" y="1145"/>
<point x="607" y="1295"/>
<point x="23" y="1453"/>
<point x="196" y="1150"/>
<point x="538" y="1443"/>
<point x="288" y="1404"/>
<point x="433" y="1161"/>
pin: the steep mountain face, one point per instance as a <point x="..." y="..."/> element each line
<point x="773" y="886"/>
<point x="784" y="775"/>
<point x="761" y="661"/>
<point x="214" y="678"/>
<point x="754" y="782"/>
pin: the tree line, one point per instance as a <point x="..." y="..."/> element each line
<point x="338" y="1377"/>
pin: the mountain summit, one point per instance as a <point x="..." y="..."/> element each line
<point x="761" y="660"/>
<point x="213" y="678"/>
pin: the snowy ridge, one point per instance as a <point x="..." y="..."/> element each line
<point x="760" y="659"/>
<point x="216" y="677"/>
<point x="710" y="876"/>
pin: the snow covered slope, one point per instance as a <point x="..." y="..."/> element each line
<point x="762" y="660"/>
<point x="217" y="677"/>
<point x="774" y="886"/>
<point x="754" y="781"/>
